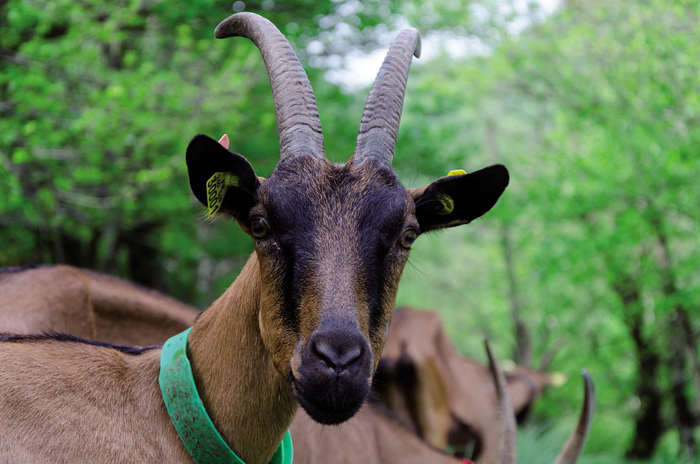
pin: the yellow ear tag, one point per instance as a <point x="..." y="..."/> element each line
<point x="216" y="190"/>
<point x="457" y="172"/>
<point x="558" y="379"/>
<point x="448" y="204"/>
<point x="508" y="365"/>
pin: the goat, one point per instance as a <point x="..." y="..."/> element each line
<point x="88" y="304"/>
<point x="305" y="321"/>
<point x="446" y="398"/>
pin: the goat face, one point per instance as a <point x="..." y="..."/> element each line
<point x="335" y="243"/>
<point x="331" y="240"/>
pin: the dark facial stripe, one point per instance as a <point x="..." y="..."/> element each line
<point x="379" y="231"/>
<point x="374" y="286"/>
<point x="292" y="293"/>
<point x="306" y="211"/>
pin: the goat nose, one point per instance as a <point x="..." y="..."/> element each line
<point x="342" y="351"/>
<point x="336" y="357"/>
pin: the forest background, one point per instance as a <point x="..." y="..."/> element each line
<point x="594" y="106"/>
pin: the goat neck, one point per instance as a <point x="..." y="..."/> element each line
<point x="246" y="397"/>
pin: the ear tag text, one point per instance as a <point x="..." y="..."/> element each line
<point x="456" y="172"/>
<point x="448" y="204"/>
<point x="217" y="185"/>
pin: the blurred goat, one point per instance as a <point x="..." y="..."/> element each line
<point x="88" y="304"/>
<point x="447" y="399"/>
<point x="373" y="436"/>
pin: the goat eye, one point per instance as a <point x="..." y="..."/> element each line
<point x="259" y="227"/>
<point x="408" y="238"/>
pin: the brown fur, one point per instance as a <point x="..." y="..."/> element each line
<point x="89" y="305"/>
<point x="50" y="409"/>
<point x="52" y="387"/>
<point x="459" y="403"/>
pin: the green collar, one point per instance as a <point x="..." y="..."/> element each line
<point x="190" y="418"/>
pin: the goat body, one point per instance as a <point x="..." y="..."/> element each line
<point x="88" y="304"/>
<point x="59" y="396"/>
<point x="50" y="409"/>
<point x="446" y="398"/>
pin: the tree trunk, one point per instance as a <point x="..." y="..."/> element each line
<point x="522" y="352"/>
<point x="648" y="426"/>
<point x="684" y="417"/>
<point x="523" y="347"/>
<point x="681" y="334"/>
<point x="144" y="264"/>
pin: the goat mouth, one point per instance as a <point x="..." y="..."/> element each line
<point x="325" y="408"/>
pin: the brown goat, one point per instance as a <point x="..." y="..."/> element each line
<point x="305" y="321"/>
<point x="88" y="304"/>
<point x="447" y="399"/>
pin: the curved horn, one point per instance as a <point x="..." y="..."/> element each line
<point x="380" y="120"/>
<point x="574" y="446"/>
<point x="507" y="446"/>
<point x="298" y="124"/>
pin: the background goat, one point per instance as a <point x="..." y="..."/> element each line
<point x="89" y="305"/>
<point x="446" y="398"/>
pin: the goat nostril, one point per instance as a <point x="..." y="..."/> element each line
<point x="337" y="360"/>
<point x="324" y="351"/>
<point x="350" y="356"/>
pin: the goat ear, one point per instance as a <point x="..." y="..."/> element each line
<point x="459" y="199"/>
<point x="206" y="157"/>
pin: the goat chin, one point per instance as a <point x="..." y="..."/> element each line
<point x="330" y="404"/>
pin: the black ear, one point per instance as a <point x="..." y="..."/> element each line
<point x="206" y="157"/>
<point x="459" y="199"/>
